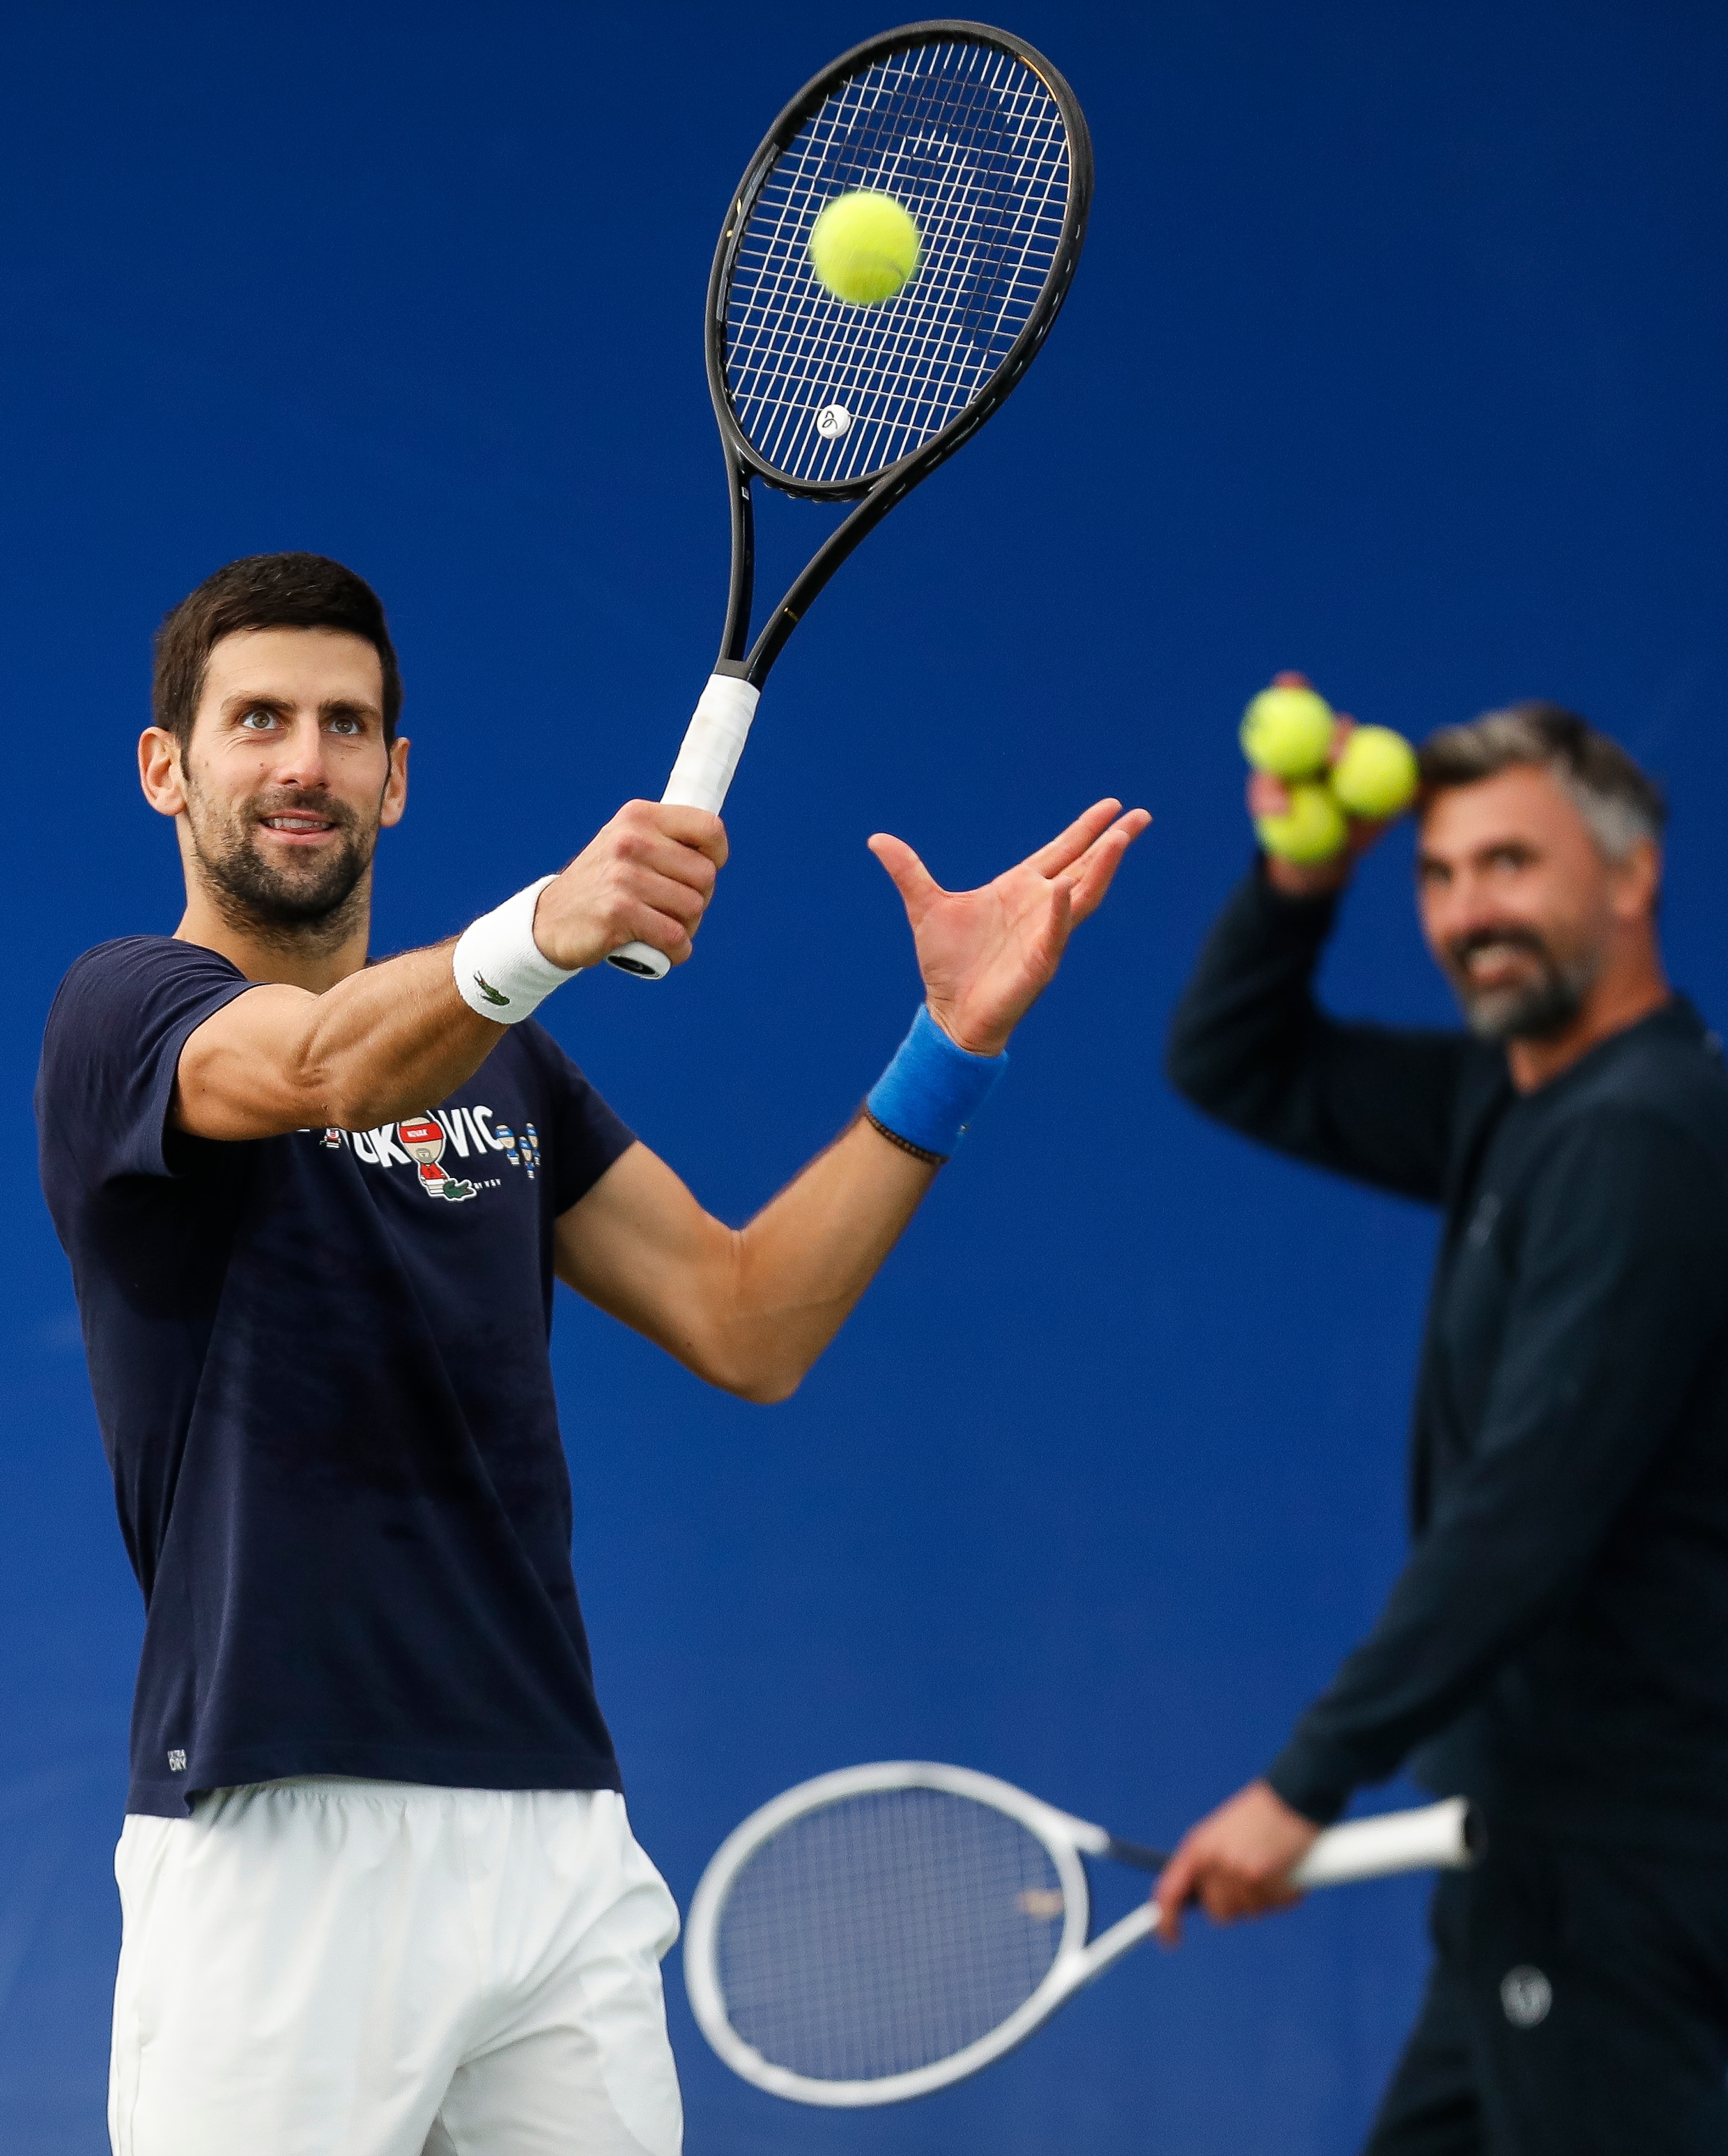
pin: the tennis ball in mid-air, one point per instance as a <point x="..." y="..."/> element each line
<point x="1312" y="829"/>
<point x="865" y="247"/>
<point x="1375" y="776"/>
<point x="1286" y="730"/>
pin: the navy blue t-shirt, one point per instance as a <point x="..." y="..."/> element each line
<point x="321" y="1367"/>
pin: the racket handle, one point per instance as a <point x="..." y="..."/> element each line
<point x="714" y="741"/>
<point x="1447" y="1835"/>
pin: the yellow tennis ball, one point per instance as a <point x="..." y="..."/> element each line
<point x="1311" y="830"/>
<point x="1287" y="731"/>
<point x="1375" y="776"/>
<point x="865" y="247"/>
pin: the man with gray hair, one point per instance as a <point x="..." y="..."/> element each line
<point x="1556" y="1647"/>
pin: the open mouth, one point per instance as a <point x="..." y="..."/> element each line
<point x="292" y="825"/>
<point x="1488" y="961"/>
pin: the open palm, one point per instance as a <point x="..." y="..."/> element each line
<point x="987" y="955"/>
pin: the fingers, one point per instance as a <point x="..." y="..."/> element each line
<point x="1095" y="870"/>
<point x="1221" y="1885"/>
<point x="1174" y="1890"/>
<point x="1067" y="846"/>
<point x="911" y="879"/>
<point x="646" y="877"/>
<point x="687" y="827"/>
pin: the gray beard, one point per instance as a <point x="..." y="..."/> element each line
<point x="317" y="909"/>
<point x="1536" y="1010"/>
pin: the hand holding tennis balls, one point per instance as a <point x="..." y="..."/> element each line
<point x="864" y="248"/>
<point x="1316" y="775"/>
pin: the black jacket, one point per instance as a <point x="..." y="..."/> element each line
<point x="1557" y="1644"/>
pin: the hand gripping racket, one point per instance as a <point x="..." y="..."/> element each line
<point x="885" y="1931"/>
<point x="979" y="139"/>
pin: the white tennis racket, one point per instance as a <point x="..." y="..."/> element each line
<point x="885" y="1931"/>
<point x="979" y="139"/>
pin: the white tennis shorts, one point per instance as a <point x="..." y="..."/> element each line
<point x="335" y="1967"/>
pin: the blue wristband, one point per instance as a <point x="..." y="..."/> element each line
<point x="932" y="1090"/>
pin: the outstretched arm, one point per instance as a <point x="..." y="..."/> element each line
<point x="390" y="1039"/>
<point x="751" y="1309"/>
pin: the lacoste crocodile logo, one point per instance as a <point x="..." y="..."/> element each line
<point x="490" y="992"/>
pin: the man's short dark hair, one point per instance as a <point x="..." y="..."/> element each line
<point x="1622" y="803"/>
<point x="264" y="591"/>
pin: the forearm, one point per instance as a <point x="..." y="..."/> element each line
<point x="385" y="1043"/>
<point x="1246" y="1022"/>
<point x="1250" y="1045"/>
<point x="1464" y="1605"/>
<point x="803" y="1262"/>
<point x="747" y="1309"/>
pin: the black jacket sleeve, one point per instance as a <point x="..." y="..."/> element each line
<point x="1250" y="1045"/>
<point x="1620" y="1298"/>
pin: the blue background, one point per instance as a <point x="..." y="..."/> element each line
<point x="1395" y="356"/>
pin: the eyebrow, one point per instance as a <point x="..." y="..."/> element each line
<point x="1510" y="841"/>
<point x="333" y="707"/>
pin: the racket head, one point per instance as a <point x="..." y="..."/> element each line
<point x="981" y="140"/>
<point x="885" y="1931"/>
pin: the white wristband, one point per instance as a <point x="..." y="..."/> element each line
<point x="500" y="970"/>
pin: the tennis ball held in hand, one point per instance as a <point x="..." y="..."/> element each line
<point x="1288" y="729"/>
<point x="1375" y="775"/>
<point x="1312" y="829"/>
<point x="865" y="247"/>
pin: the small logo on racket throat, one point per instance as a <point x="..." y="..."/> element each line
<point x="833" y="421"/>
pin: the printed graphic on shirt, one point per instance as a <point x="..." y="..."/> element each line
<point x="422" y="1141"/>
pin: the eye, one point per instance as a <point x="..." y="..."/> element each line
<point x="256" y="721"/>
<point x="347" y="724"/>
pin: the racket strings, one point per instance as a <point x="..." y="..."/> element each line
<point x="885" y="1931"/>
<point x="973" y="145"/>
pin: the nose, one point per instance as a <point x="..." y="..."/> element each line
<point x="1460" y="906"/>
<point x="300" y="758"/>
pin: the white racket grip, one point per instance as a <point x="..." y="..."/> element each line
<point x="1442" y="1834"/>
<point x="714" y="741"/>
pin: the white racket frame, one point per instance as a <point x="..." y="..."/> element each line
<point x="1433" y="1837"/>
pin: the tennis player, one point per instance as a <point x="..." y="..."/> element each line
<point x="1557" y="1646"/>
<point x="380" y="1894"/>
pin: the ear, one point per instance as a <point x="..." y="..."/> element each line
<point x="395" y="800"/>
<point x="159" y="772"/>
<point x="1638" y="882"/>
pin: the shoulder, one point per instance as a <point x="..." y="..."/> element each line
<point x="1641" y="1152"/>
<point x="1666" y="1084"/>
<point x="126" y="1009"/>
<point x="133" y="970"/>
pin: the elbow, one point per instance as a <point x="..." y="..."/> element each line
<point x="324" y="1094"/>
<point x="340" y="1097"/>
<point x="765" y="1387"/>
<point x="1186" y="1064"/>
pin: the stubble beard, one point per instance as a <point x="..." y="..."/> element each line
<point x="316" y="904"/>
<point x="1533" y="1009"/>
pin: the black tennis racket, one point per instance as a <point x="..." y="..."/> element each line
<point x="885" y="1931"/>
<point x="979" y="139"/>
